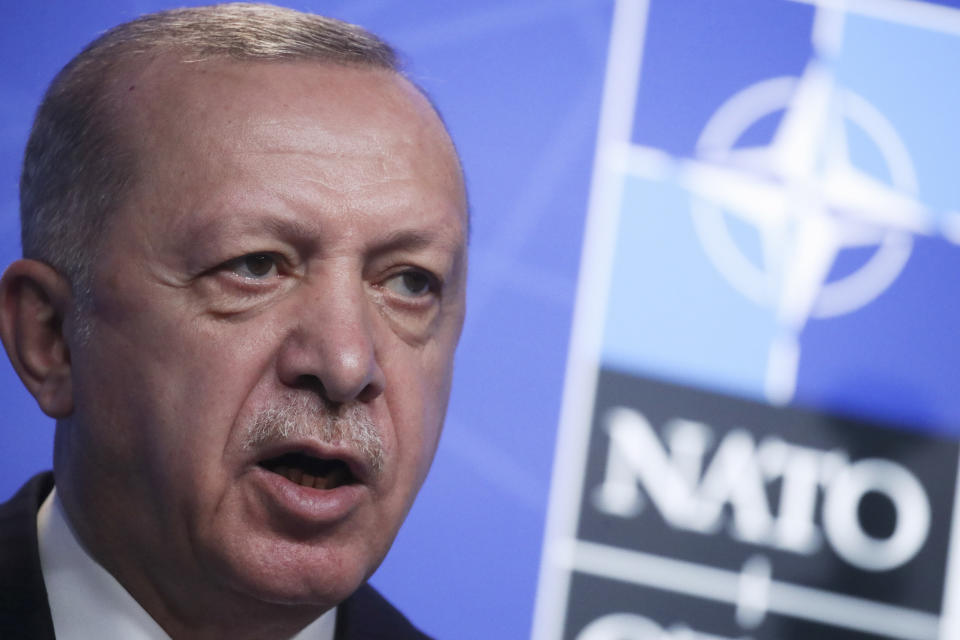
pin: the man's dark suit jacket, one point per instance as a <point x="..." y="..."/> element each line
<point x="25" y="612"/>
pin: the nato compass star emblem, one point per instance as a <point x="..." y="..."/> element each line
<point x="807" y="202"/>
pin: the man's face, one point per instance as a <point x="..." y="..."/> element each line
<point x="279" y="299"/>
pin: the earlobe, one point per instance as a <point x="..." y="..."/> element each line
<point x="34" y="299"/>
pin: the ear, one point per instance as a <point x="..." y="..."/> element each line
<point x="34" y="299"/>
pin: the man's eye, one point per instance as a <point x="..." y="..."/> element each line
<point x="255" y="266"/>
<point x="410" y="284"/>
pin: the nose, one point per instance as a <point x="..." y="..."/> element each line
<point x="332" y="348"/>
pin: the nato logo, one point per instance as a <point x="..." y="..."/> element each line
<point x="806" y="202"/>
<point x="759" y="431"/>
<point x="765" y="198"/>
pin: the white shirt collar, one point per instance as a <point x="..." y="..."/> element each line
<point x="87" y="602"/>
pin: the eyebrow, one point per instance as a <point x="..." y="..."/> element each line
<point x="297" y="230"/>
<point x="416" y="240"/>
<point x="406" y="239"/>
<point x="272" y="224"/>
<point x="403" y="239"/>
<point x="286" y="227"/>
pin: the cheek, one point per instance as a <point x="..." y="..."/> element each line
<point x="211" y="376"/>
<point x="418" y="402"/>
<point x="170" y="386"/>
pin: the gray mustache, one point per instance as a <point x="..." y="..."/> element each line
<point x="306" y="417"/>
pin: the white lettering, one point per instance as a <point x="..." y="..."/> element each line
<point x="841" y="515"/>
<point x="801" y="469"/>
<point x="621" y="626"/>
<point x="734" y="478"/>
<point x="691" y="495"/>
<point x="636" y="454"/>
<point x="630" y="626"/>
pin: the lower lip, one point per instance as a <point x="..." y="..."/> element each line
<point x="306" y="504"/>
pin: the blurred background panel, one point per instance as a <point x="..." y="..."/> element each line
<point x="760" y="423"/>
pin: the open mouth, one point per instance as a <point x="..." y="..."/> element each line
<point x="309" y="471"/>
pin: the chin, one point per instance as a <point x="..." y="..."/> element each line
<point x="298" y="574"/>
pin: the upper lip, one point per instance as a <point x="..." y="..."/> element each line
<point x="359" y="467"/>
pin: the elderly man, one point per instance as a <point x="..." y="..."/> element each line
<point x="242" y="287"/>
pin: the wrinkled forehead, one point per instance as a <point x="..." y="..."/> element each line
<point x="168" y="105"/>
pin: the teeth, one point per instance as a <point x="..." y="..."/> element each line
<point x="295" y="475"/>
<point x="335" y="478"/>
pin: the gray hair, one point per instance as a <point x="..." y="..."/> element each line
<point x="78" y="167"/>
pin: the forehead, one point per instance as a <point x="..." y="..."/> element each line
<point x="188" y="121"/>
<point x="167" y="91"/>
